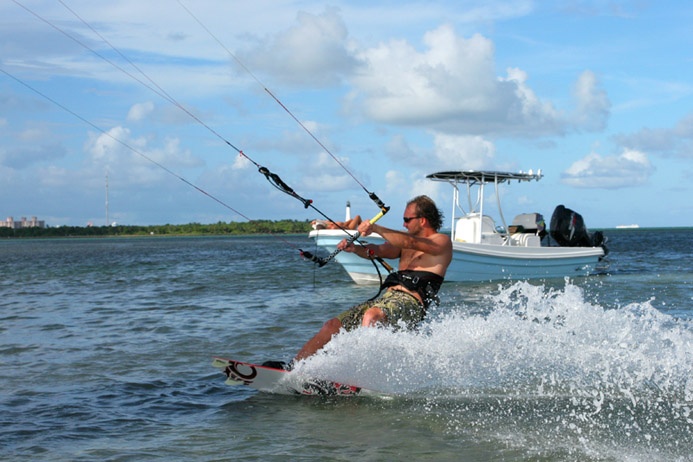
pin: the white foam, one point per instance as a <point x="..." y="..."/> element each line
<point x="543" y="370"/>
<point x="533" y="341"/>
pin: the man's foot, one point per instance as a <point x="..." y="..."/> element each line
<point x="279" y="365"/>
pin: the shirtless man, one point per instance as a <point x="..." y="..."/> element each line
<point x="424" y="255"/>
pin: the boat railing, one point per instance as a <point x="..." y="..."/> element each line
<point x="465" y="229"/>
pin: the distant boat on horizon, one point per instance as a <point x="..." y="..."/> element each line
<point x="627" y="226"/>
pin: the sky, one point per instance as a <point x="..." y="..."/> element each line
<point x="134" y="112"/>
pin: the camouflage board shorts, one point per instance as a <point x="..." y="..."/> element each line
<point x="397" y="305"/>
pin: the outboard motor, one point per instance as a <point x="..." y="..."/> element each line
<point x="568" y="229"/>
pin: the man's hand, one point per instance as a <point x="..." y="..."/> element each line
<point x="365" y="228"/>
<point x="346" y="246"/>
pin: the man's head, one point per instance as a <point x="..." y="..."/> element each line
<point x="424" y="207"/>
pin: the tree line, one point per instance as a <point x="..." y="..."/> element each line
<point x="190" y="229"/>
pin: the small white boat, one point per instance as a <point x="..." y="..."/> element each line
<point x="485" y="251"/>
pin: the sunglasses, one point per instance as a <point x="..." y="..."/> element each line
<point x="408" y="219"/>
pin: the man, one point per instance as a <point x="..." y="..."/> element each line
<point x="424" y="255"/>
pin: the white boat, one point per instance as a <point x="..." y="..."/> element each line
<point x="485" y="251"/>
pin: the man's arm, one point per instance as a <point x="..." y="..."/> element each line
<point x="384" y="250"/>
<point x="437" y="244"/>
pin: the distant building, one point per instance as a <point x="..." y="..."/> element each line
<point x="23" y="223"/>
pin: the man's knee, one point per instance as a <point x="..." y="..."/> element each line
<point x="332" y="326"/>
<point x="373" y="316"/>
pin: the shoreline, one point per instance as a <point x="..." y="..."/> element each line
<point x="255" y="227"/>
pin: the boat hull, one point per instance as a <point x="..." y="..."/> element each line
<point x="479" y="262"/>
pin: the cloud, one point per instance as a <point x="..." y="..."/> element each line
<point x="324" y="173"/>
<point x="629" y="169"/>
<point x="676" y="141"/>
<point x="452" y="79"/>
<point x="296" y="141"/>
<point x="449" y="152"/>
<point x="400" y="187"/>
<point x="140" y="111"/>
<point x="241" y="163"/>
<point x="593" y="105"/>
<point x="119" y="151"/>
<point x="311" y="53"/>
<point x="463" y="152"/>
<point x="395" y="181"/>
<point x="26" y="148"/>
<point x="28" y="40"/>
<point x="21" y="158"/>
<point x="451" y="87"/>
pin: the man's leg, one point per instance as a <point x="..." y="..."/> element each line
<point x="324" y="335"/>
<point x="373" y="316"/>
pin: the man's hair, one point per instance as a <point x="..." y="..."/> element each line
<point x="426" y="208"/>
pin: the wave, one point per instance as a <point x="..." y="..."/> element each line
<point x="541" y="365"/>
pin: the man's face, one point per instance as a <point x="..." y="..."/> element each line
<point x="412" y="222"/>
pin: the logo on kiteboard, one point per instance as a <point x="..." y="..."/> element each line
<point x="232" y="372"/>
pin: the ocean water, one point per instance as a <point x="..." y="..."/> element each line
<point x="106" y="348"/>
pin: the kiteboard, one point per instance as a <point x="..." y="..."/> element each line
<point x="272" y="380"/>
